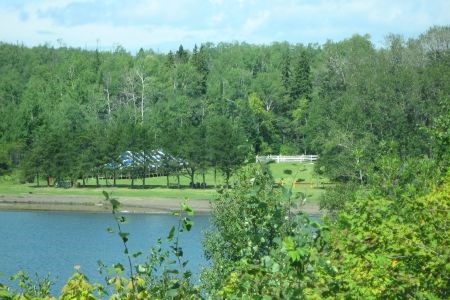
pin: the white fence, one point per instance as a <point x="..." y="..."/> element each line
<point x="287" y="158"/>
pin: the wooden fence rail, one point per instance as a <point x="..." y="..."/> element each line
<point x="287" y="158"/>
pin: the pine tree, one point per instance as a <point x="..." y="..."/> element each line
<point x="301" y="84"/>
<point x="286" y="69"/>
<point x="200" y="62"/>
<point x="182" y="55"/>
<point x="170" y="59"/>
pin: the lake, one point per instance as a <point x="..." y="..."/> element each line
<point x="54" y="242"/>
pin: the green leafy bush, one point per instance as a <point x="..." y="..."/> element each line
<point x="247" y="220"/>
<point x="387" y="249"/>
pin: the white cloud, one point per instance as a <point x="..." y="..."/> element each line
<point x="37" y="7"/>
<point x="216" y="2"/>
<point x="253" y="23"/>
<point x="23" y="30"/>
<point x="216" y="18"/>
<point x="142" y="9"/>
<point x="155" y="23"/>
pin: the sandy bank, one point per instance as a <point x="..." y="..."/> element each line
<point x="98" y="204"/>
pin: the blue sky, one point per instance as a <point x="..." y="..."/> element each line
<point x="163" y="25"/>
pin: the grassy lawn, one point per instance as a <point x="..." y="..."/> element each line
<point x="120" y="191"/>
<point x="283" y="173"/>
<point x="301" y="177"/>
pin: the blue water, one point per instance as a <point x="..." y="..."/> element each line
<point x="54" y="242"/>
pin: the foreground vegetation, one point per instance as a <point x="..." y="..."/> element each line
<point x="375" y="248"/>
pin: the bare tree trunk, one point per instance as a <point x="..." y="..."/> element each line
<point x="108" y="94"/>
<point x="191" y="175"/>
<point x="132" y="180"/>
<point x="130" y="93"/>
<point x="204" y="180"/>
<point x="142" y="79"/>
<point x="143" y="176"/>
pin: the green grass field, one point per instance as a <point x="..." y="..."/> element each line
<point x="301" y="177"/>
<point x="284" y="173"/>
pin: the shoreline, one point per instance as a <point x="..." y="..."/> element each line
<point x="97" y="204"/>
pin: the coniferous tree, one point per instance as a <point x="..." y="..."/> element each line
<point x="182" y="56"/>
<point x="301" y="83"/>
<point x="286" y="69"/>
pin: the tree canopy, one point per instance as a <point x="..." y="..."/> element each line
<point x="67" y="112"/>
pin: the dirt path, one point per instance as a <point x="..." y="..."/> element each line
<point x="98" y="204"/>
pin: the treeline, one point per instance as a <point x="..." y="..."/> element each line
<point x="66" y="113"/>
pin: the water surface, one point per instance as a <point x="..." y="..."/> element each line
<point x="54" y="242"/>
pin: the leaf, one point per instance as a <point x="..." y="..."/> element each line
<point x="315" y="224"/>
<point x="119" y="268"/>
<point x="141" y="269"/>
<point x="187" y="209"/>
<point x="275" y="267"/>
<point x="171" y="234"/>
<point x="172" y="293"/>
<point x="4" y="294"/>
<point x="187" y="274"/>
<point x="302" y="252"/>
<point x="115" y="204"/>
<point x="253" y="192"/>
<point x="139" y="253"/>
<point x="267" y="261"/>
<point x="287" y="193"/>
<point x="179" y="252"/>
<point x="288" y="244"/>
<point x="294" y="255"/>
<point x="124" y="236"/>
<point x="187" y="224"/>
<point x="105" y="193"/>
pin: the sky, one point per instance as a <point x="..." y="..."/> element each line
<point x="163" y="25"/>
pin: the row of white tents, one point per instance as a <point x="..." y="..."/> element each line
<point x="152" y="160"/>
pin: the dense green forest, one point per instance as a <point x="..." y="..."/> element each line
<point x="379" y="119"/>
<point x="67" y="112"/>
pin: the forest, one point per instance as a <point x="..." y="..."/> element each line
<point x="67" y="113"/>
<point x="378" y="117"/>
